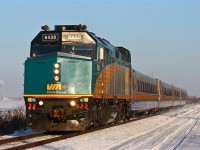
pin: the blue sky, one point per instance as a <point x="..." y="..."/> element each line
<point x="162" y="35"/>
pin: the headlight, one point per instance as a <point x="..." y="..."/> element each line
<point x="56" y="78"/>
<point x="56" y="66"/>
<point x="41" y="103"/>
<point x="56" y="71"/>
<point x="73" y="103"/>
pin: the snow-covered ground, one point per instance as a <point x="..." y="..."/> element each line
<point x="177" y="129"/>
<point x="21" y="132"/>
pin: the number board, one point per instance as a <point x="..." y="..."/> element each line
<point x="50" y="37"/>
<point x="74" y="37"/>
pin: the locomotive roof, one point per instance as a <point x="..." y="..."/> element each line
<point x="99" y="40"/>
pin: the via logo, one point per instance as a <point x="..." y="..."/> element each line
<point x="54" y="87"/>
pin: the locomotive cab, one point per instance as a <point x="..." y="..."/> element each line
<point x="58" y="78"/>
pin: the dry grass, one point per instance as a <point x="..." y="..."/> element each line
<point x="12" y="119"/>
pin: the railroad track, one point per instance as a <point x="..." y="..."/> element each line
<point x="25" y="144"/>
<point x="15" y="139"/>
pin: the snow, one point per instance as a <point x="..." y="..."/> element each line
<point x="22" y="132"/>
<point x="30" y="140"/>
<point x="176" y="129"/>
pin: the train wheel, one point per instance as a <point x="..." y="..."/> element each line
<point x="102" y="113"/>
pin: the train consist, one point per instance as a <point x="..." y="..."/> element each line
<point x="75" y="79"/>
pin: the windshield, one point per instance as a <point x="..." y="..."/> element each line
<point x="38" y="50"/>
<point x="83" y="50"/>
<point x="77" y="49"/>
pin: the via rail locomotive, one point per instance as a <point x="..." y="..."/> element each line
<point x="74" y="80"/>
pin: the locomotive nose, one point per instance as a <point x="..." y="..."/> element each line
<point x="76" y="74"/>
<point x="58" y="75"/>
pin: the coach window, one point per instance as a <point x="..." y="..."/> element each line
<point x="116" y="54"/>
<point x="152" y="88"/>
<point x="151" y="91"/>
<point x="163" y="91"/>
<point x="145" y="87"/>
<point x="138" y="86"/>
<point x="170" y="92"/>
<point x="141" y="86"/>
<point x="167" y="92"/>
<point x="141" y="83"/>
<point x="156" y="89"/>
<point x="149" y="88"/>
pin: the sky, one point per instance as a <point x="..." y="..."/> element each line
<point x="162" y="35"/>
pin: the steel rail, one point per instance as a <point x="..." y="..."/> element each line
<point x="19" y="138"/>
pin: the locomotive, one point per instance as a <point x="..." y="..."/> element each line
<point x="74" y="80"/>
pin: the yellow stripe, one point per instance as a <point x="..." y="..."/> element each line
<point x="55" y="96"/>
<point x="123" y="97"/>
<point x="140" y="96"/>
<point x="166" y="98"/>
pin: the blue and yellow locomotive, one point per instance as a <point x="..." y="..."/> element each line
<point x="75" y="79"/>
